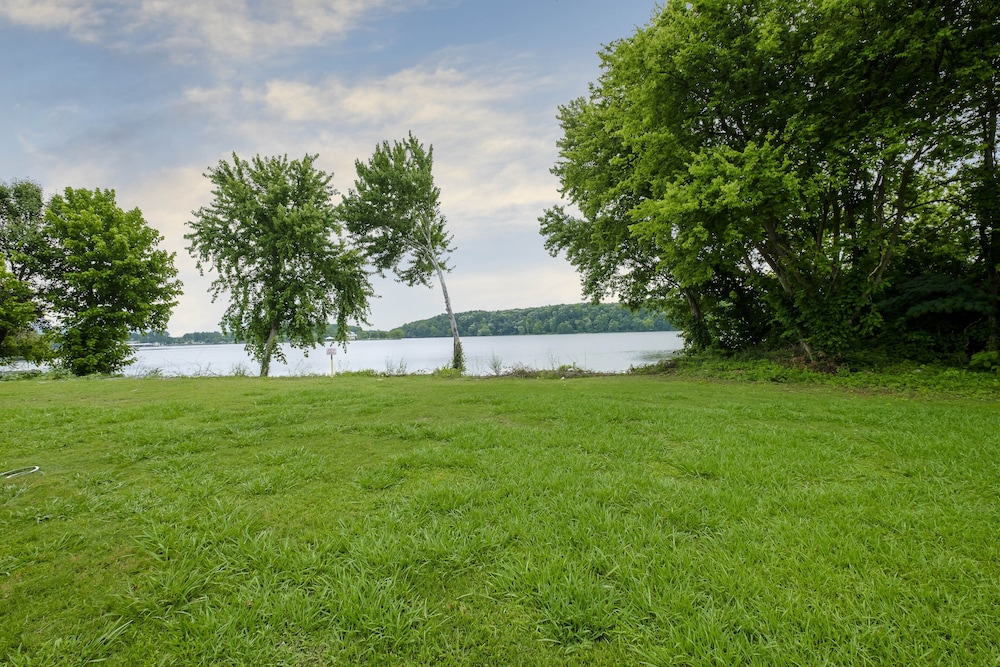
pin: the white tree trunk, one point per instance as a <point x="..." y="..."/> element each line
<point x="265" y="361"/>
<point x="457" y="356"/>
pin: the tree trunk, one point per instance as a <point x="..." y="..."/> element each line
<point x="457" y="356"/>
<point x="989" y="226"/>
<point x="265" y="357"/>
<point x="700" y="338"/>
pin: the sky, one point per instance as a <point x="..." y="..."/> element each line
<point x="143" y="96"/>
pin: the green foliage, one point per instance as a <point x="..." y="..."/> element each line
<point x="447" y="373"/>
<point x="102" y="276"/>
<point x="394" y="215"/>
<point x="19" y="313"/>
<point x="986" y="360"/>
<point x="21" y="237"/>
<point x="934" y="317"/>
<point x="763" y="171"/>
<point x="393" y="212"/>
<point x="20" y="240"/>
<point x="567" y="318"/>
<point x="272" y="236"/>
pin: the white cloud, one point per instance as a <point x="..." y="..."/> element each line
<point x="60" y="172"/>
<point x="492" y="150"/>
<point x="492" y="153"/>
<point x="78" y="16"/>
<point x="167" y="198"/>
<point x="242" y="29"/>
<point x="544" y="285"/>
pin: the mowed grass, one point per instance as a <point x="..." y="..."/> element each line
<point x="419" y="520"/>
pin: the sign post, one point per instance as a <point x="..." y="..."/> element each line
<point x="332" y="353"/>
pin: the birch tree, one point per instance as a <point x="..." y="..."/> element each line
<point x="393" y="214"/>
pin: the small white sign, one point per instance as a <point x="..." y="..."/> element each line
<point x="331" y="351"/>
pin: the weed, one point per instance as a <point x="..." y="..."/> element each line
<point x="496" y="364"/>
<point x="240" y="370"/>
<point x="986" y="361"/>
<point x="395" y="368"/>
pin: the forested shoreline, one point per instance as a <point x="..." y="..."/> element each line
<point x="559" y="319"/>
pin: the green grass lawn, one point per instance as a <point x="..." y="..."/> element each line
<point x="420" y="520"/>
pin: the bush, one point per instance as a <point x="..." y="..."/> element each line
<point x="986" y="361"/>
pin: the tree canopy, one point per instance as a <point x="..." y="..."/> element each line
<point x="272" y="236"/>
<point x="20" y="239"/>
<point x="394" y="215"/>
<point x="102" y="275"/>
<point x="779" y="171"/>
<point x="19" y="316"/>
<point x="21" y="215"/>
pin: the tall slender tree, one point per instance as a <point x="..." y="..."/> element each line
<point x="394" y="215"/>
<point x="272" y="236"/>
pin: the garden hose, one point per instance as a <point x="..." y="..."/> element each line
<point x="17" y="472"/>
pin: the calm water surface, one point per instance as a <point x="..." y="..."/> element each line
<point x="609" y="353"/>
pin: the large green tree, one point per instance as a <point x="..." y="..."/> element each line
<point x="272" y="237"/>
<point x="394" y="215"/>
<point x="976" y="81"/>
<point x="761" y="166"/>
<point x="102" y="276"/>
<point x="21" y="215"/>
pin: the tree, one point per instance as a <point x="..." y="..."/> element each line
<point x="20" y="240"/>
<point x="19" y="314"/>
<point x="102" y="276"/>
<point x="21" y="216"/>
<point x="977" y="82"/>
<point x="394" y="216"/>
<point x="764" y="165"/>
<point x="272" y="236"/>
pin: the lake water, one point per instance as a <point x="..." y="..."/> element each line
<point x="606" y="353"/>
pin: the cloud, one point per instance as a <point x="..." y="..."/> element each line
<point x="494" y="139"/>
<point x="167" y="198"/>
<point x="233" y="29"/>
<point x="492" y="149"/>
<point x="501" y="291"/>
<point x="77" y="16"/>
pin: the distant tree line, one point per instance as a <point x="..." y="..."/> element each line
<point x="218" y="338"/>
<point x="562" y="319"/>
<point x="194" y="338"/>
